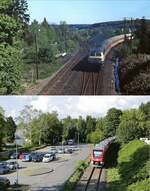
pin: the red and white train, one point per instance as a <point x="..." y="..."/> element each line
<point x="97" y="157"/>
<point x="98" y="55"/>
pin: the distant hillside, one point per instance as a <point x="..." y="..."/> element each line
<point x="110" y="24"/>
<point x="117" y="24"/>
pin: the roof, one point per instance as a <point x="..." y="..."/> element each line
<point x="104" y="143"/>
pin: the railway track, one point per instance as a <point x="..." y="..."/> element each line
<point x="56" y="84"/>
<point x="90" y="83"/>
<point x="94" y="180"/>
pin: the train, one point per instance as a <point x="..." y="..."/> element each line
<point x="98" y="55"/>
<point x="98" y="154"/>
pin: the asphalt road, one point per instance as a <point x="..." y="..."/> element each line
<point x="49" y="176"/>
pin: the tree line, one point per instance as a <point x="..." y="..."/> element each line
<point x="7" y="129"/>
<point x="24" y="45"/>
<point x="40" y="127"/>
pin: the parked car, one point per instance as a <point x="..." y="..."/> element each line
<point x="4" y="169"/>
<point x="37" y="157"/>
<point x="26" y="157"/>
<point x="53" y="150"/>
<point x="70" y="142"/>
<point x="12" y="165"/>
<point x="74" y="148"/>
<point x="4" y="181"/>
<point x="68" y="151"/>
<point x="14" y="155"/>
<point x="61" y="150"/>
<point x="48" y="157"/>
<point x="21" y="156"/>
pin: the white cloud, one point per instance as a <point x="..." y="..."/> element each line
<point x="75" y="105"/>
<point x="41" y="103"/>
<point x="12" y="113"/>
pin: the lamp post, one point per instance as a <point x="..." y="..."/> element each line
<point x="17" y="173"/>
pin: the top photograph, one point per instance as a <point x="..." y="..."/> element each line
<point x="74" y="47"/>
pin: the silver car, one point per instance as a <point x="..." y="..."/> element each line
<point x="12" y="165"/>
<point x="4" y="169"/>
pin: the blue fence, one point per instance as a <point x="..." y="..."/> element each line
<point x="116" y="73"/>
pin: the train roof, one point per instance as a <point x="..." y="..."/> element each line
<point x="96" y="49"/>
<point x="104" y="143"/>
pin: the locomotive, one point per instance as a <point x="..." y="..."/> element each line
<point x="98" y="55"/>
<point x="97" y="157"/>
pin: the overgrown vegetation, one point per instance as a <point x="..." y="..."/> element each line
<point x="132" y="172"/>
<point x="12" y="22"/>
<point x="72" y="181"/>
<point x="134" y="69"/>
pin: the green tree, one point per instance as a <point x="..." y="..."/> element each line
<point x="95" y="137"/>
<point x="81" y="128"/>
<point x="10" y="129"/>
<point x="10" y="69"/>
<point x="90" y="127"/>
<point x="142" y="35"/>
<point x="52" y="129"/>
<point x="12" y="15"/>
<point x="69" y="128"/>
<point x="131" y="126"/>
<point x="2" y="125"/>
<point x="27" y="115"/>
<point x="112" y="122"/>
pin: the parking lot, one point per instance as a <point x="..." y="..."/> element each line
<point x="48" y="176"/>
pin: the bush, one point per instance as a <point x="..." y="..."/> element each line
<point x="72" y="181"/>
<point x="132" y="160"/>
<point x="140" y="186"/>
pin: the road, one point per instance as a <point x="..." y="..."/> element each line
<point x="49" y="176"/>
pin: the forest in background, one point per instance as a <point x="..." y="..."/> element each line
<point x="39" y="128"/>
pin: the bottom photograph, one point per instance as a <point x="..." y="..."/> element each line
<point x="74" y="143"/>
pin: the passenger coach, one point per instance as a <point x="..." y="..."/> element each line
<point x="98" y="154"/>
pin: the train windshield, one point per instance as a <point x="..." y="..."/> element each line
<point x="92" y="53"/>
<point x="97" y="153"/>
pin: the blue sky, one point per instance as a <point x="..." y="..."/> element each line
<point x="87" y="11"/>
<point x="74" y="106"/>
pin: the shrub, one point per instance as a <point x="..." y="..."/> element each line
<point x="132" y="160"/>
<point x="140" y="186"/>
<point x="72" y="181"/>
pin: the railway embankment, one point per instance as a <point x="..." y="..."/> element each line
<point x="132" y="170"/>
<point x="134" y="74"/>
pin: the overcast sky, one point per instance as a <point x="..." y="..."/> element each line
<point x="87" y="11"/>
<point x="71" y="105"/>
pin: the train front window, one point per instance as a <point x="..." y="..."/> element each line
<point x="92" y="53"/>
<point x="97" y="153"/>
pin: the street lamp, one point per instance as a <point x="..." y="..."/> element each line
<point x="17" y="174"/>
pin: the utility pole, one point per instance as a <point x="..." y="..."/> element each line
<point x="36" y="59"/>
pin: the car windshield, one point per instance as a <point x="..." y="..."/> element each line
<point x="97" y="153"/>
<point x="46" y="156"/>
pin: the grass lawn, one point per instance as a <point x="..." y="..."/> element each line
<point x="45" y="71"/>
